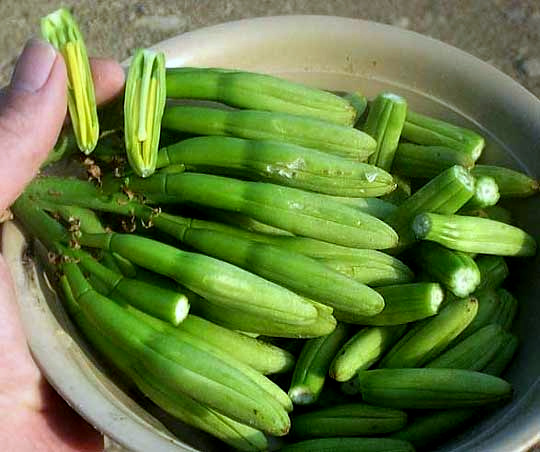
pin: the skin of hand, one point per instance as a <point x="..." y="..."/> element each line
<point x="32" y="112"/>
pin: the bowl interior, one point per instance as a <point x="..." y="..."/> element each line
<point x="344" y="55"/>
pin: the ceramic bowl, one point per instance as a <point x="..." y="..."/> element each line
<point x="337" y="54"/>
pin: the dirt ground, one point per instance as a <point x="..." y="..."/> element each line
<point x="504" y="33"/>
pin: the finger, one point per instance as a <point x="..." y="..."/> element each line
<point x="31" y="116"/>
<point x="108" y="78"/>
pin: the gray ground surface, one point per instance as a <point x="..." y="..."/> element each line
<point x="503" y="32"/>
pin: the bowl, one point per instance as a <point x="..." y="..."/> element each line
<point x="337" y="54"/>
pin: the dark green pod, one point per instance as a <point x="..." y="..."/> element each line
<point x="354" y="419"/>
<point x="473" y="352"/>
<point x="431" y="388"/>
<point x="429" y="337"/>
<point x="426" y="162"/>
<point x="427" y="430"/>
<point x="350" y="445"/>
<point x="511" y="183"/>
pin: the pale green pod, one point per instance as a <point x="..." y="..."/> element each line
<point x="362" y="350"/>
<point x="474" y="235"/>
<point x="403" y="303"/>
<point x="61" y="30"/>
<point x="144" y="104"/>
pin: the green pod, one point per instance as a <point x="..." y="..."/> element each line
<point x="156" y="279"/>
<point x="431" y="388"/>
<point x="429" y="131"/>
<point x="297" y="211"/>
<point x="313" y="364"/>
<point x="107" y="260"/>
<point x="179" y="365"/>
<point x="215" y="280"/>
<point x="445" y="193"/>
<point x="295" y="271"/>
<point x="184" y="408"/>
<point x="426" y="162"/>
<point x="303" y="131"/>
<point x="473" y="352"/>
<point x="456" y="271"/>
<point x="144" y="104"/>
<point x="59" y="190"/>
<point x="403" y="303"/>
<point x="255" y="91"/>
<point x="493" y="271"/>
<point x="238" y="435"/>
<point x="39" y="224"/>
<point x="241" y="320"/>
<point x="384" y="122"/>
<point x="511" y="183"/>
<point x="205" y="345"/>
<point x="368" y="266"/>
<point x="363" y="350"/>
<point x="262" y="356"/>
<point x="486" y="193"/>
<point x="168" y="305"/>
<point x="474" y="235"/>
<point x="352" y="419"/>
<point x="88" y="221"/>
<point x="489" y="305"/>
<point x="376" y="207"/>
<point x="425" y="431"/>
<point x="243" y="222"/>
<point x="429" y="337"/>
<point x="267" y="386"/>
<point x="279" y="163"/>
<point x="503" y="357"/>
<point x="508" y="311"/>
<point x="349" y="445"/>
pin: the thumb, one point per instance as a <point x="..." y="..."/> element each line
<point x="32" y="112"/>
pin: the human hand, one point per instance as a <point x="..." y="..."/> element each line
<point x="32" y="112"/>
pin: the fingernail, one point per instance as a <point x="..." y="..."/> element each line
<point x="34" y="66"/>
